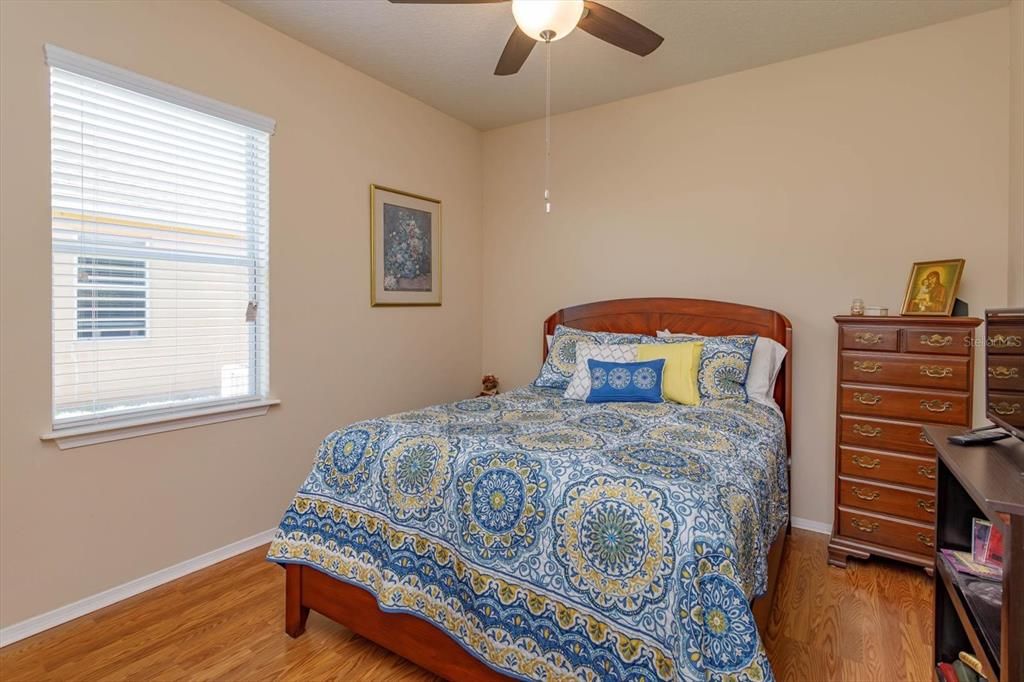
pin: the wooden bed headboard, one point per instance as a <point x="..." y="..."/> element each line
<point x="710" y="318"/>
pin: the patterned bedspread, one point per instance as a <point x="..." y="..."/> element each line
<point x="556" y="539"/>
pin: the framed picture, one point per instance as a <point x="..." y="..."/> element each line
<point x="405" y="248"/>
<point x="932" y="287"/>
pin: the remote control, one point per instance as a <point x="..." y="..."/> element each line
<point x="978" y="438"/>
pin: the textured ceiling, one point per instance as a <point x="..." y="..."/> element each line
<point x="444" y="55"/>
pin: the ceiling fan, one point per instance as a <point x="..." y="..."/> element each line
<point x="549" y="20"/>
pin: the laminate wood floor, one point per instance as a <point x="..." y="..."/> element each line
<point x="869" y="622"/>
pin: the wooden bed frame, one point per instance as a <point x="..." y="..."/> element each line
<point x="428" y="646"/>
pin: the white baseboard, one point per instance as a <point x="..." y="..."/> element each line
<point x="45" y="621"/>
<point x="813" y="526"/>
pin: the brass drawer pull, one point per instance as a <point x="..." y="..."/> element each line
<point x="924" y="439"/>
<point x="926" y="471"/>
<point x="859" y="492"/>
<point x="1002" y="341"/>
<point x="866" y="462"/>
<point x="867" y="431"/>
<point x="925" y="540"/>
<point x="1004" y="408"/>
<point x="927" y="505"/>
<point x="936" y="372"/>
<point x="867" y="367"/>
<point x="936" y="405"/>
<point x="868" y="338"/>
<point x="1001" y="372"/>
<point x="936" y="340"/>
<point x="867" y="398"/>
<point x="864" y="527"/>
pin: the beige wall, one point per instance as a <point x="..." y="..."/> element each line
<point x="79" y="521"/>
<point x="1015" y="289"/>
<point x="796" y="186"/>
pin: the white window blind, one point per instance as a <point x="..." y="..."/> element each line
<point x="160" y="228"/>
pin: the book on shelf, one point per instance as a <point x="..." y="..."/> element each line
<point x="964" y="562"/>
<point x="944" y="672"/>
<point x="957" y="671"/>
<point x="963" y="673"/>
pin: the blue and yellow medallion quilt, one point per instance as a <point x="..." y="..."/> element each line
<point x="557" y="539"/>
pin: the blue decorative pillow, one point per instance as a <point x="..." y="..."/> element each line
<point x="625" y="382"/>
<point x="724" y="364"/>
<point x="561" y="361"/>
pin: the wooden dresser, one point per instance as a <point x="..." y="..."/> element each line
<point x="1004" y="334"/>
<point x="895" y="374"/>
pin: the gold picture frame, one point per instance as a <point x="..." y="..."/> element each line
<point x="932" y="287"/>
<point x="405" y="248"/>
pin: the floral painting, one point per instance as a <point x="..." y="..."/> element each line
<point x="405" y="248"/>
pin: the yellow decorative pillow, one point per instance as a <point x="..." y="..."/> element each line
<point x="682" y="360"/>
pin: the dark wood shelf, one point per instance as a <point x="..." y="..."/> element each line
<point x="990" y="473"/>
<point x="980" y="482"/>
<point x="981" y="630"/>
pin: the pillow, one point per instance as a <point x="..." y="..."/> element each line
<point x="724" y="365"/>
<point x="560" y="364"/>
<point x="764" y="365"/>
<point x="682" y="360"/>
<point x="579" y="385"/>
<point x="625" y="382"/>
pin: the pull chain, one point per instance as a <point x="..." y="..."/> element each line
<point x="547" y="131"/>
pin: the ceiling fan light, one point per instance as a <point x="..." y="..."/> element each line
<point x="545" y="20"/>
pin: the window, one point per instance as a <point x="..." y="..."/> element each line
<point x="160" y="233"/>
<point x="111" y="298"/>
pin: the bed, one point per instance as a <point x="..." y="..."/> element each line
<point x="529" y="536"/>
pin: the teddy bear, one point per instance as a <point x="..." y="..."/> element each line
<point x="490" y="383"/>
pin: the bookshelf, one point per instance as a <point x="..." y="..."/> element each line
<point x="982" y="617"/>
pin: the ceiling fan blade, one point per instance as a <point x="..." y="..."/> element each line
<point x="517" y="49"/>
<point x="618" y="29"/>
<point x="444" y="2"/>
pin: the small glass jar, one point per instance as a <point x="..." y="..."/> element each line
<point x="857" y="307"/>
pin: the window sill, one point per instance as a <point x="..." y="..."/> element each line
<point x="106" y="432"/>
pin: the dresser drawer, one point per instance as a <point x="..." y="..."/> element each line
<point x="1005" y="338"/>
<point x="901" y="403"/>
<point x="1009" y="406"/>
<point x="1006" y="372"/>
<point x="887" y="466"/>
<point x="942" y="341"/>
<point x="884" y="434"/>
<point x="905" y="370"/>
<point x="876" y="497"/>
<point x="869" y="338"/>
<point x="909" y="536"/>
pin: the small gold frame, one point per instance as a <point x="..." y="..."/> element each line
<point x="435" y="242"/>
<point x="916" y="301"/>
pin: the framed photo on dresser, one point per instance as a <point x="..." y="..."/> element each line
<point x="932" y="287"/>
<point x="405" y="248"/>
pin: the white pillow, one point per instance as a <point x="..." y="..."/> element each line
<point x="579" y="385"/>
<point x="765" y="364"/>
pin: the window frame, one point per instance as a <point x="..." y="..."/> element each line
<point x="98" y="427"/>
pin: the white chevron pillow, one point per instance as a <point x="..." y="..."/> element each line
<point x="579" y="385"/>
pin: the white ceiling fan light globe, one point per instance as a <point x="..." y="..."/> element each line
<point x="536" y="17"/>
